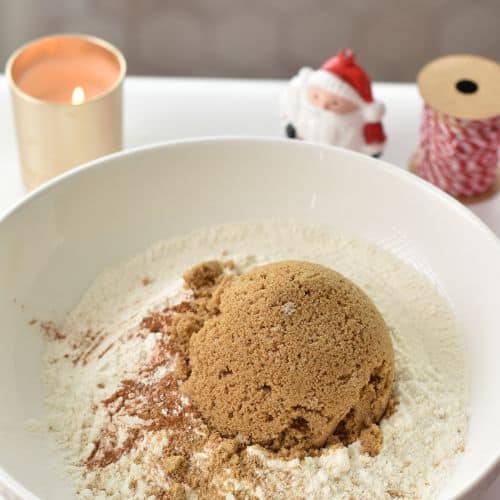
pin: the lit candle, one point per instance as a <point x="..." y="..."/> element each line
<point x="67" y="97"/>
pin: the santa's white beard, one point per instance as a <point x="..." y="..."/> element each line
<point x="320" y="125"/>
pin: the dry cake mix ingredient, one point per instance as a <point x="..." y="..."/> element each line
<point x="115" y="370"/>
<point x="297" y="355"/>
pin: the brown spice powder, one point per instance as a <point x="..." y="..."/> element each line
<point x="50" y="330"/>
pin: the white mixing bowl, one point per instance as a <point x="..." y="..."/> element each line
<point x="56" y="241"/>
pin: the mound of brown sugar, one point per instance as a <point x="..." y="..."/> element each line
<point x="294" y="356"/>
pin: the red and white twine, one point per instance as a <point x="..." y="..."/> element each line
<point x="459" y="156"/>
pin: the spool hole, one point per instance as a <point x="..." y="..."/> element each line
<point x="467" y="86"/>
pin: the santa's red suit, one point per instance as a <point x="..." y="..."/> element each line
<point x="360" y="130"/>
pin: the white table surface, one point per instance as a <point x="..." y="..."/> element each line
<point x="161" y="109"/>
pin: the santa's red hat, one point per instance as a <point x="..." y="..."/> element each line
<point x="341" y="75"/>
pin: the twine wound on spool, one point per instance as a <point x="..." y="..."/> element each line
<point x="460" y="131"/>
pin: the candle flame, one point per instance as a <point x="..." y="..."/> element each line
<point x="78" y="96"/>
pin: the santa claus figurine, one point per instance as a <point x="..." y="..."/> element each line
<point x="335" y="105"/>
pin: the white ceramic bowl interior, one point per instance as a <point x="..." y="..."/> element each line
<point x="53" y="244"/>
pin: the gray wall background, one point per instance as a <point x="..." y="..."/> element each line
<point x="273" y="38"/>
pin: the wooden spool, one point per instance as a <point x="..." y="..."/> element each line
<point x="462" y="86"/>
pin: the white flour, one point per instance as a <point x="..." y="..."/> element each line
<point x="422" y="440"/>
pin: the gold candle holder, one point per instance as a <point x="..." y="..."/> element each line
<point x="67" y="99"/>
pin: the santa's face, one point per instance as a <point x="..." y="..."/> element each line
<point x="323" y="99"/>
<point x="321" y="121"/>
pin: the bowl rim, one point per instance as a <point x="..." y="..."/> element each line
<point x="488" y="470"/>
<point x="395" y="170"/>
